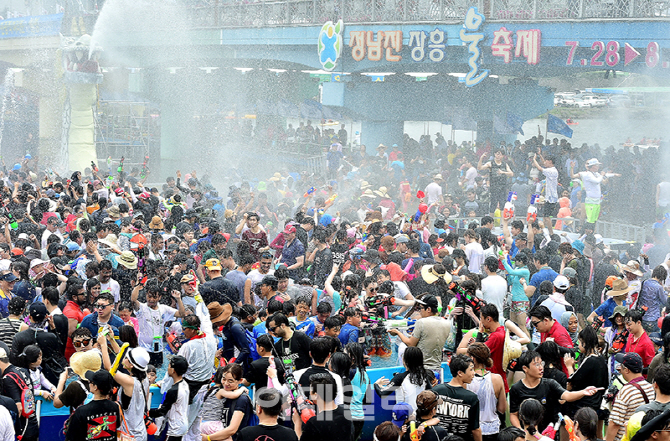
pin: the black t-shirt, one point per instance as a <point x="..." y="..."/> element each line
<point x="554" y="374"/>
<point x="329" y="425"/>
<point x="323" y="262"/>
<point x="459" y="411"/>
<point x="431" y="433"/>
<point x="258" y="372"/>
<point x="295" y="352"/>
<point x="548" y="392"/>
<point x="242" y="404"/>
<point x="267" y="433"/>
<point x="219" y="290"/>
<point x="592" y="372"/>
<point x="95" y="420"/>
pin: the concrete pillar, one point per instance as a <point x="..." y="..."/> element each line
<point x="388" y="133"/>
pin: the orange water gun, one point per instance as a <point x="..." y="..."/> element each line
<point x="570" y="427"/>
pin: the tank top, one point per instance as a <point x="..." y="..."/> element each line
<point x="497" y="179"/>
<point x="488" y="418"/>
<point x="135" y="412"/>
<point x="664" y="194"/>
<point x="212" y="406"/>
<point x="8" y="329"/>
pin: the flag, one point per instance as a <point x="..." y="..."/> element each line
<point x="501" y="127"/>
<point x="311" y="109"/>
<point x="557" y="125"/>
<point x="515" y="123"/>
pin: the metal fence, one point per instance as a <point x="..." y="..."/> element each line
<point x="235" y="13"/>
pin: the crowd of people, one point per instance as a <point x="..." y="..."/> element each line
<point x="262" y="315"/>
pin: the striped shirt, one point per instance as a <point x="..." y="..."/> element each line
<point x="626" y="403"/>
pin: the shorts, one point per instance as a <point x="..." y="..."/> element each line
<point x="210" y="427"/>
<point x="592" y="212"/>
<point x="520" y="306"/>
<point x="550" y="210"/>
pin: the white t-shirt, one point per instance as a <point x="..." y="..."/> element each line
<point x="255" y="276"/>
<point x="114" y="287"/>
<point x="591" y="184"/>
<point x="475" y="254"/>
<point x="551" y="189"/>
<point x="494" y="289"/>
<point x="433" y="192"/>
<point x="664" y="194"/>
<point x="6" y="425"/>
<point x="470" y="176"/>
<point x="152" y="322"/>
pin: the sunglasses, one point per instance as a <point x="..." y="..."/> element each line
<point x="80" y="343"/>
<point x="535" y="323"/>
<point x="373" y="289"/>
<point x="98" y="306"/>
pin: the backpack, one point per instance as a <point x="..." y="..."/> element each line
<point x="252" y="344"/>
<point x="27" y="396"/>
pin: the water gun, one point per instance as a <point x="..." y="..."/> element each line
<point x="550" y="431"/>
<point x="508" y="209"/>
<point x="173" y="340"/>
<point x="305" y="408"/>
<point x="145" y="169"/>
<point x="619" y="341"/>
<point x="413" y="431"/>
<point x="309" y="192"/>
<point x="569" y="426"/>
<point x="471" y="300"/>
<point x="94" y="167"/>
<point x="597" y="322"/>
<point x="662" y="222"/>
<point x="117" y="361"/>
<point x="531" y="214"/>
<point x="379" y="301"/>
<point x="331" y="199"/>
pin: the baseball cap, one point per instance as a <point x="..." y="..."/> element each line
<point x="187" y="278"/>
<point x="38" y="311"/>
<point x="401" y="412"/>
<point x="522" y="236"/>
<point x="561" y="282"/>
<point x="213" y="264"/>
<point x="289" y="229"/>
<point x="401" y="238"/>
<point x="427" y="400"/>
<point x="102" y="378"/>
<point x="9" y="277"/>
<point x="430" y="301"/>
<point x="631" y="361"/>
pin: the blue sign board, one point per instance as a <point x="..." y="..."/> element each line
<point x="35" y="26"/>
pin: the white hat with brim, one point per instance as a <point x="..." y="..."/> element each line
<point x="633" y="266"/>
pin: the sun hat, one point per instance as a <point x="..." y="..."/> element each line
<point x="82" y="362"/>
<point x="619" y="288"/>
<point x="620" y="309"/>
<point x="511" y="350"/>
<point x="156" y="223"/>
<point x="579" y="246"/>
<point x="139" y="358"/>
<point x="431" y="276"/>
<point x="593" y="161"/>
<point x="110" y="240"/>
<point x="127" y="259"/>
<point x="219" y="313"/>
<point x="633" y="266"/>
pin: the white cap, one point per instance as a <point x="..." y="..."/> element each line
<point x="561" y="282"/>
<point x="592" y="161"/>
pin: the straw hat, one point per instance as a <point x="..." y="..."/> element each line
<point x="619" y="288"/>
<point x="127" y="259"/>
<point x="82" y="362"/>
<point x="633" y="266"/>
<point x="511" y="350"/>
<point x="431" y="276"/>
<point x="368" y="194"/>
<point x="382" y="192"/>
<point x="365" y="185"/>
<point x="218" y="313"/>
<point x="276" y="177"/>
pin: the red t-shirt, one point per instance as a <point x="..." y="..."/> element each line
<point x="642" y="346"/>
<point x="72" y="311"/>
<point x="561" y="337"/>
<point x="496" y="344"/>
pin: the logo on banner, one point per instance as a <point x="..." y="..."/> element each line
<point x="330" y="44"/>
